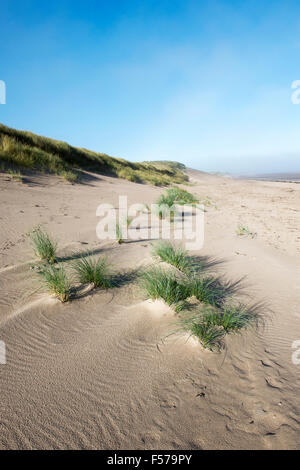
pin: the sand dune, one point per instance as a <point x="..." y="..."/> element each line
<point x="111" y="370"/>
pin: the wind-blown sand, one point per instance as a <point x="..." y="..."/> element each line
<point x="104" y="371"/>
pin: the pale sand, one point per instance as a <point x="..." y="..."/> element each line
<point x="110" y="370"/>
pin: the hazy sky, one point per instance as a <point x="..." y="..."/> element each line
<point x="207" y="83"/>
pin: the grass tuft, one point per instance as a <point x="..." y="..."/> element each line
<point x="56" y="281"/>
<point x="181" y="196"/>
<point x="211" y="326"/>
<point x="164" y="211"/>
<point x="236" y="317"/>
<point x="166" y="204"/>
<point x="176" y="256"/>
<point x="165" y="207"/>
<point x="127" y="220"/>
<point x="70" y="176"/>
<point x="15" y="175"/>
<point x="119" y="233"/>
<point x="93" y="271"/>
<point x="244" y="231"/>
<point x="44" y="247"/>
<point x="161" y="284"/>
<point x="209" y="335"/>
<point x="167" y="200"/>
<point x="212" y="290"/>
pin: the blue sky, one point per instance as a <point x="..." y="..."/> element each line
<point x="207" y="83"/>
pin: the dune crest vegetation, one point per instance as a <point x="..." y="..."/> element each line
<point x="28" y="151"/>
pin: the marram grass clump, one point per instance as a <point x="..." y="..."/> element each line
<point x="181" y="196"/>
<point x="165" y="207"/>
<point x="212" y="290"/>
<point x="70" y="176"/>
<point x="44" y="247"/>
<point x="160" y="284"/>
<point x="209" y="335"/>
<point x="211" y="325"/>
<point x="168" y="202"/>
<point x="93" y="271"/>
<point x="15" y="175"/>
<point x="56" y="281"/>
<point x="235" y="317"/>
<point x="215" y="314"/>
<point x="171" y="254"/>
<point x="163" y="211"/>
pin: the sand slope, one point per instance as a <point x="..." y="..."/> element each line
<point x="110" y="370"/>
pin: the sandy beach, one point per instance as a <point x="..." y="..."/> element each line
<point x="109" y="370"/>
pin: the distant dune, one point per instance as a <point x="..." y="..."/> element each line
<point x="293" y="177"/>
<point x="23" y="151"/>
